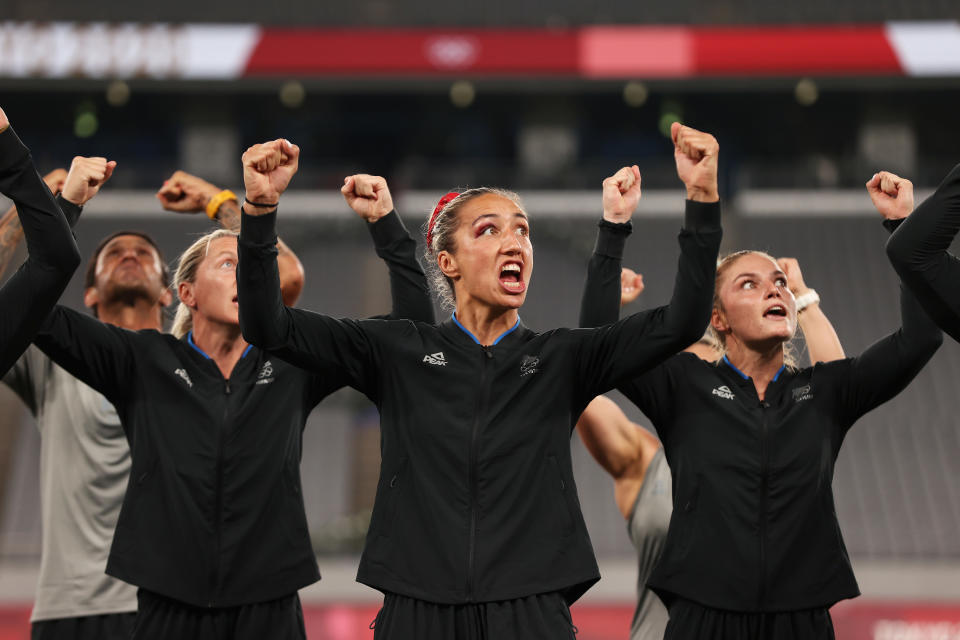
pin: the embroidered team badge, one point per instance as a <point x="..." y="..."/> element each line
<point x="802" y="393"/>
<point x="529" y="365"/>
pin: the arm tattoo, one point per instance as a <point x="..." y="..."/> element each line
<point x="11" y="233"/>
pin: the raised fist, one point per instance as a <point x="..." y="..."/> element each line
<point x="791" y="268"/>
<point x="267" y="170"/>
<point x="55" y="179"/>
<point x="891" y="195"/>
<point x="86" y="177"/>
<point x="186" y="193"/>
<point x="4" y="123"/>
<point x="368" y="195"/>
<point x="696" y="155"/>
<point x="621" y="193"/>
<point x="631" y="285"/>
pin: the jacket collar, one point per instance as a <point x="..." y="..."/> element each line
<point x="457" y="332"/>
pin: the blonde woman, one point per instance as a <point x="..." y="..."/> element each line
<point x="212" y="527"/>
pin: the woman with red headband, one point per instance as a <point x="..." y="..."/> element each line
<point x="477" y="531"/>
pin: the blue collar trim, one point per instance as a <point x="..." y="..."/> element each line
<point x="204" y="353"/>
<point x="745" y="376"/>
<point x="474" y="338"/>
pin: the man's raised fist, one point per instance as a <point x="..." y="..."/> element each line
<point x="621" y="194"/>
<point x="267" y="170"/>
<point x="368" y="195"/>
<point x="891" y="195"/>
<point x="186" y="193"/>
<point x="85" y="178"/>
<point x="696" y="155"/>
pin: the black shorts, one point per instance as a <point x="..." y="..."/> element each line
<point x="161" y="618"/>
<point x="692" y="621"/>
<point x="540" y="617"/>
<point x="107" y="626"/>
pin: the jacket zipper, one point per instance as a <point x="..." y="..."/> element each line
<point x="474" y="490"/>
<point x="764" y="470"/>
<point x="218" y="509"/>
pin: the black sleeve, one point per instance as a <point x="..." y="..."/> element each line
<point x="311" y="341"/>
<point x="408" y="284"/>
<point x="53" y="255"/>
<point x="70" y="211"/>
<point x="887" y="367"/>
<point x="600" y="303"/>
<point x="918" y="252"/>
<point x="100" y="355"/>
<point x="656" y="392"/>
<point x="613" y="354"/>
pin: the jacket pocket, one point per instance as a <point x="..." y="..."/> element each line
<point x="558" y="485"/>
<point x="386" y="507"/>
<point x="685" y="512"/>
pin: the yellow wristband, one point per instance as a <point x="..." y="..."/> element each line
<point x="217" y="201"/>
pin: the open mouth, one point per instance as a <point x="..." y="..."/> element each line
<point x="511" y="278"/>
<point x="776" y="311"/>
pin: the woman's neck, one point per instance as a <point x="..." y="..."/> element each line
<point x="761" y="364"/>
<point x="485" y="323"/>
<point x="222" y="342"/>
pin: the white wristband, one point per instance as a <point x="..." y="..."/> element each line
<point x="807" y="299"/>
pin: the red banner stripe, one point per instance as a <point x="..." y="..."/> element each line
<point x="794" y="50"/>
<point x="371" y="51"/>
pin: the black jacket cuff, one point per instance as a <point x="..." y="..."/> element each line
<point x="702" y="216"/>
<point x="891" y="225"/>
<point x="612" y="237"/>
<point x="388" y="230"/>
<point x="70" y="211"/>
<point x="258" y="230"/>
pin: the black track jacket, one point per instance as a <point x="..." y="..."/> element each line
<point x="26" y="299"/>
<point x="754" y="526"/>
<point x="476" y="500"/>
<point x="213" y="515"/>
<point x="919" y="248"/>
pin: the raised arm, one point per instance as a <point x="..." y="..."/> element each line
<point x="823" y="344"/>
<point x="613" y="354"/>
<point x="890" y="364"/>
<point x="369" y="196"/>
<point x="919" y="250"/>
<point x="11" y="232"/>
<point x="186" y="193"/>
<point x="52" y="253"/>
<point x="309" y="340"/>
<point x="603" y="290"/>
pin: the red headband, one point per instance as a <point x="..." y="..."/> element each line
<point x="444" y="201"/>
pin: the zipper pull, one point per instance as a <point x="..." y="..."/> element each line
<point x="487" y="352"/>
<point x="227" y="387"/>
<point x="764" y="404"/>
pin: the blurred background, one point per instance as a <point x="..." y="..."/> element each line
<point x="807" y="99"/>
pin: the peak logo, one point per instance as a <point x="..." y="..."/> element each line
<point x="437" y="359"/>
<point x="723" y="392"/>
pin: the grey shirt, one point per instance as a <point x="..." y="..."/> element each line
<point x="84" y="466"/>
<point x="647" y="527"/>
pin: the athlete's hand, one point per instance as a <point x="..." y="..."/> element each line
<point x="368" y="195"/>
<point x="631" y="285"/>
<point x="267" y="170"/>
<point x="621" y="194"/>
<point x="696" y="155"/>
<point x="86" y="177"/>
<point x="55" y="179"/>
<point x="791" y="268"/>
<point x="891" y="195"/>
<point x="186" y="193"/>
<point x="4" y="123"/>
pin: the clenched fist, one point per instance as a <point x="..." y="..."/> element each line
<point x="267" y="170"/>
<point x="186" y="193"/>
<point x="86" y="177"/>
<point x="4" y="123"/>
<point x="55" y="180"/>
<point x="891" y="195"/>
<point x="791" y="268"/>
<point x="368" y="195"/>
<point x="631" y="285"/>
<point x="696" y="155"/>
<point x="621" y="194"/>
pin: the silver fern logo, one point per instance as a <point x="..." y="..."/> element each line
<point x="185" y="376"/>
